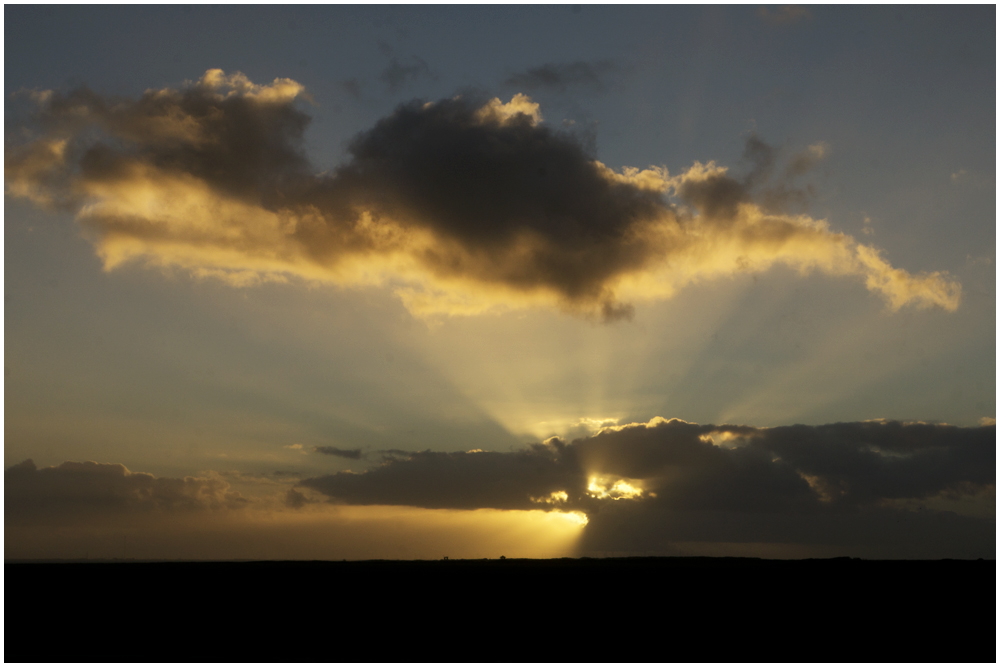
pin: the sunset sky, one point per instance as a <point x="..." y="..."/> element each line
<point x="407" y="282"/>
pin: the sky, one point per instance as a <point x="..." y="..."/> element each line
<point x="407" y="282"/>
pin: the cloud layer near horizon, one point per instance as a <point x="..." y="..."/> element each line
<point x="460" y="205"/>
<point x="909" y="487"/>
<point x="82" y="489"/>
<point x="691" y="466"/>
<point x="882" y="487"/>
<point x="103" y="510"/>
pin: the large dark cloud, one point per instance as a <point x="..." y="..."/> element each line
<point x="691" y="482"/>
<point x="512" y="203"/>
<point x="469" y="203"/>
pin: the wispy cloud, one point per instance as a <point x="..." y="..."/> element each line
<point x="559" y="77"/>
<point x="342" y="453"/>
<point x="352" y="87"/>
<point x="397" y="74"/>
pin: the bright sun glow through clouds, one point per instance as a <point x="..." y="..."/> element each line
<point x="616" y="490"/>
<point x="305" y="275"/>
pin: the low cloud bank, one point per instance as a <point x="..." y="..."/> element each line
<point x="101" y="510"/>
<point x="877" y="489"/>
<point x="693" y="466"/>
<point x="461" y="205"/>
<point x="646" y="486"/>
<point x="83" y="489"/>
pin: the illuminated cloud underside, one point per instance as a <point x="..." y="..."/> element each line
<point x="459" y="206"/>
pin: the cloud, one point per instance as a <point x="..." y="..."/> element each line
<point x="744" y="483"/>
<point x="296" y="499"/>
<point x="342" y="453"/>
<point x="877" y="488"/>
<point x="453" y="480"/>
<point x="972" y="178"/>
<point x="806" y="160"/>
<point x="460" y="205"/>
<point x="82" y="489"/>
<point x="352" y="87"/>
<point x="396" y="74"/>
<point x="103" y="510"/>
<point x="561" y="76"/>
<point x="732" y="467"/>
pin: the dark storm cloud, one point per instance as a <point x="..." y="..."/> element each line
<point x="342" y="453"/>
<point x="79" y="489"/>
<point x="561" y="76"/>
<point x="469" y="203"/>
<point x="704" y="482"/>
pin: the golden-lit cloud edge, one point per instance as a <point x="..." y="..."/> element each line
<point x="459" y="206"/>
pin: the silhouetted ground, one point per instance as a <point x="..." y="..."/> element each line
<point x="560" y="610"/>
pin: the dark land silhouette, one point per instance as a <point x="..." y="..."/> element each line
<point x="510" y="609"/>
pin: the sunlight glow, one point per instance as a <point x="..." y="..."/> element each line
<point x="576" y="518"/>
<point x="619" y="490"/>
<point x="724" y="439"/>
<point x="317" y="531"/>
<point x="554" y="498"/>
